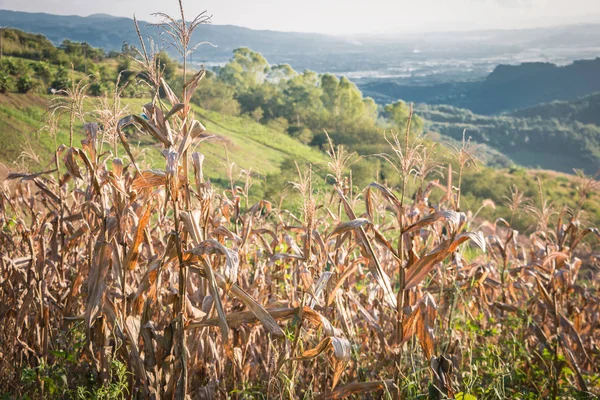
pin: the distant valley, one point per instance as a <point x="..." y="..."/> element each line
<point x="405" y="59"/>
<point x="507" y="88"/>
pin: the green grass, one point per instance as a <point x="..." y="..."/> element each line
<point x="248" y="144"/>
<point x="245" y="142"/>
<point x="22" y="121"/>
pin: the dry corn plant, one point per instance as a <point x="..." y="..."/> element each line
<point x="195" y="293"/>
<point x="109" y="112"/>
<point x="70" y="101"/>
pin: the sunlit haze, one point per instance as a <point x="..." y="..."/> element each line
<point x="343" y="16"/>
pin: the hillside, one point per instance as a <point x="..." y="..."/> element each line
<point x="267" y="121"/>
<point x="251" y="146"/>
<point x="547" y="143"/>
<point x="507" y="88"/>
<point x="269" y="154"/>
<point x="585" y="109"/>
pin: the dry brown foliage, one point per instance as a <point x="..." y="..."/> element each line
<point x="200" y="294"/>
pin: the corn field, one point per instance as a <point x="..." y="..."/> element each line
<point x="130" y="283"/>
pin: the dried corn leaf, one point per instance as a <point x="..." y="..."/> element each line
<point x="417" y="271"/>
<point x="90" y="142"/>
<point x="197" y="161"/>
<point x="197" y="129"/>
<point x="388" y="194"/>
<point x="175" y="109"/>
<point x="309" y="315"/>
<point x="214" y="290"/>
<point x="367" y="249"/>
<point x="349" y="226"/>
<point x="134" y="250"/>
<point x="149" y="179"/>
<point x="191" y="85"/>
<point x="97" y="282"/>
<point x="263" y="316"/>
<point x="26" y="176"/>
<point x="341" y="349"/>
<point x="50" y="194"/>
<point x="420" y="322"/>
<point x="256" y="313"/>
<point x="191" y="224"/>
<point x="425" y="324"/>
<point x="232" y="261"/>
<point x="453" y="217"/>
<point x="169" y="92"/>
<point x="557" y="255"/>
<point x="153" y="130"/>
<point x="71" y="164"/>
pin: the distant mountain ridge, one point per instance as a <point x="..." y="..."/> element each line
<point x="507" y="88"/>
<point x="110" y="32"/>
<point x="102" y="15"/>
<point x="328" y="53"/>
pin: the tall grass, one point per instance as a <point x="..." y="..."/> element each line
<point x="122" y="282"/>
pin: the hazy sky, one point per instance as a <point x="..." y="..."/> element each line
<point x="342" y="16"/>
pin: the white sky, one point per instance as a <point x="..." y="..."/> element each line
<point x="342" y="16"/>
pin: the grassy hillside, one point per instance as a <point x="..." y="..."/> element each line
<point x="248" y="144"/>
<point x="20" y="117"/>
<point x="269" y="154"/>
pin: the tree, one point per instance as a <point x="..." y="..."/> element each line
<point x="257" y="114"/>
<point x="247" y="69"/>
<point x="330" y="97"/>
<point x="280" y="73"/>
<point x="25" y="83"/>
<point x="127" y="49"/>
<point x="304" y="135"/>
<point x="303" y="100"/>
<point x="398" y="113"/>
<point x="61" y="79"/>
<point x="213" y="94"/>
<point x="9" y="66"/>
<point x="279" y="124"/>
<point x="42" y="71"/>
<point x="350" y="99"/>
<point x="97" y="88"/>
<point x="267" y="96"/>
<point x="167" y="65"/>
<point x="124" y="71"/>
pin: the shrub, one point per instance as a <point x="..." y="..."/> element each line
<point x="25" y="83"/>
<point x="61" y="80"/>
<point x="6" y="82"/>
<point x="97" y="89"/>
<point x="9" y="66"/>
